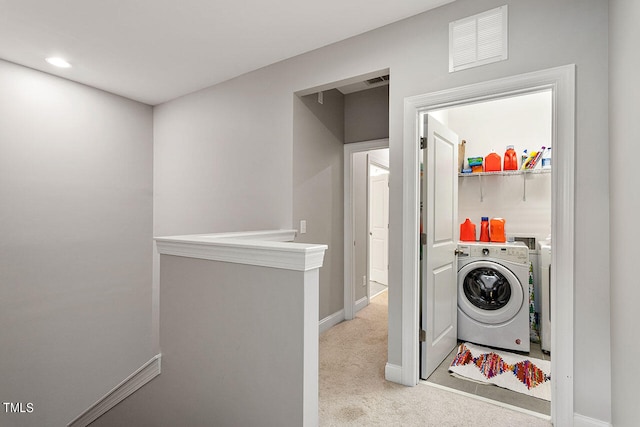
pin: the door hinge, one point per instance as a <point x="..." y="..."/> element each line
<point x="423" y="238"/>
<point x="423" y="335"/>
<point x="423" y="141"/>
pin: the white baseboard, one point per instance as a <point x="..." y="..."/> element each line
<point x="582" y="421"/>
<point x="331" y="320"/>
<point x="393" y="373"/>
<point x="362" y="303"/>
<point x="126" y="388"/>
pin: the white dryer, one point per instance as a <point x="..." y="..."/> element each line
<point x="545" y="294"/>
<point x="493" y="294"/>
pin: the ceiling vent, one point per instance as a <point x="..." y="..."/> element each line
<point x="377" y="80"/>
<point x="478" y="40"/>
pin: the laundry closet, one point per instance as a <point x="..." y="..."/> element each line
<point x="503" y="306"/>
<point x="521" y="198"/>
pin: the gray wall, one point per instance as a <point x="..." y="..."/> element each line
<point x="207" y="143"/>
<point x="366" y="115"/>
<point x="231" y="356"/>
<point x="624" y="129"/>
<point x="318" y="192"/>
<point x="223" y="158"/>
<point x="76" y="248"/>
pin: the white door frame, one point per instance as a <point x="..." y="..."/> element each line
<point x="349" y="217"/>
<point x="377" y="163"/>
<point x="561" y="81"/>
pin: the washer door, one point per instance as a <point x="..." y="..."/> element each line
<point x="488" y="292"/>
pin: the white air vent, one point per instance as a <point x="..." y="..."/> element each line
<point x="478" y="40"/>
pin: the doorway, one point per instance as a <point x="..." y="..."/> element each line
<point x="523" y="199"/>
<point x="360" y="159"/>
<point x="378" y="224"/>
<point x="327" y="119"/>
<point x="561" y="81"/>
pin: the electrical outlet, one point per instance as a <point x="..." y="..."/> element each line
<point x="364" y="280"/>
<point x="303" y="226"/>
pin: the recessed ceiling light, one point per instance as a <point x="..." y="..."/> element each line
<point x="58" y="62"/>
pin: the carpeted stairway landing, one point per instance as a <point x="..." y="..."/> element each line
<point x="353" y="391"/>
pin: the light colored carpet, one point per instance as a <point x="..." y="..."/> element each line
<point x="353" y="391"/>
<point x="376" y="288"/>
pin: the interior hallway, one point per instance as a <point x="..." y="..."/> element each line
<point x="353" y="391"/>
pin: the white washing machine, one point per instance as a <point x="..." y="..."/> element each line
<point x="493" y="294"/>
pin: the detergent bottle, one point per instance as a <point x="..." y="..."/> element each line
<point x="484" y="229"/>
<point x="492" y="163"/>
<point x="510" y="159"/>
<point x="497" y="230"/>
<point x="468" y="231"/>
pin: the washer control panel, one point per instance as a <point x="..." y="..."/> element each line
<point x="509" y="252"/>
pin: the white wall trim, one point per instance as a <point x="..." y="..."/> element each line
<point x="126" y="388"/>
<point x="562" y="81"/>
<point x="349" y="212"/>
<point x="331" y="321"/>
<point x="393" y="373"/>
<point x="269" y="235"/>
<point x="263" y="248"/>
<point x="338" y="317"/>
<point x="362" y="303"/>
<point x="582" y="421"/>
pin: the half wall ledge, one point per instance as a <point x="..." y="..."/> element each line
<point x="270" y="248"/>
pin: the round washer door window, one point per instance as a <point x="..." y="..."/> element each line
<point x="487" y="288"/>
<point x="489" y="292"/>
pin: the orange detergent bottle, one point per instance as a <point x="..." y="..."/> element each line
<point x="510" y="159"/>
<point x="492" y="163"/>
<point x="468" y="231"/>
<point x="484" y="229"/>
<point x="497" y="230"/>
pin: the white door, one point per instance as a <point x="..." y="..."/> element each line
<point x="439" y="317"/>
<point x="379" y="224"/>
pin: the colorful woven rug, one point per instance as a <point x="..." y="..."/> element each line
<point x="515" y="372"/>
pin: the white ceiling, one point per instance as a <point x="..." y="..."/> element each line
<point x="156" y="50"/>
